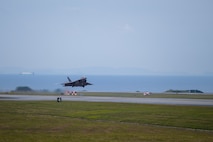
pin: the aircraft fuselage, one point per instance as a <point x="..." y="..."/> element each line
<point x="79" y="83"/>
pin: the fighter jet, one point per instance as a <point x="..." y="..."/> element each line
<point x="78" y="83"/>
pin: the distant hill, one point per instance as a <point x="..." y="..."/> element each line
<point x="183" y="91"/>
<point x="23" y="89"/>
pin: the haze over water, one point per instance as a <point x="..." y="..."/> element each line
<point x="109" y="83"/>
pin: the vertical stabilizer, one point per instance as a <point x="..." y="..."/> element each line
<point x="69" y="79"/>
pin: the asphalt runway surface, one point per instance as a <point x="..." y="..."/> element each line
<point x="166" y="101"/>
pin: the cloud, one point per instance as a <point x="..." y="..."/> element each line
<point x="128" y="28"/>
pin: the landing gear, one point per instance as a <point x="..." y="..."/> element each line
<point x="59" y="99"/>
<point x="73" y="93"/>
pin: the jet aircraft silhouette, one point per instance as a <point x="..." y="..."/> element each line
<point x="78" y="83"/>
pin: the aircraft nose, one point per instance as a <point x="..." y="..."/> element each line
<point x="89" y="83"/>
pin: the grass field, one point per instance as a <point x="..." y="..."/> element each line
<point x="123" y="94"/>
<point x="153" y="95"/>
<point x="49" y="121"/>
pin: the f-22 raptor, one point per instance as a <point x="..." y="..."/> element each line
<point x="78" y="83"/>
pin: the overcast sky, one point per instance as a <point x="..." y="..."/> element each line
<point x="157" y="37"/>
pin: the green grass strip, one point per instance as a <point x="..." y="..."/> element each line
<point x="117" y="122"/>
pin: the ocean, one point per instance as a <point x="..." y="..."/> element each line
<point x="109" y="83"/>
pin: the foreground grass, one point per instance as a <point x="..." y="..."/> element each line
<point x="85" y="121"/>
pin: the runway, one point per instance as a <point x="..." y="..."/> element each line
<point x="165" y="101"/>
